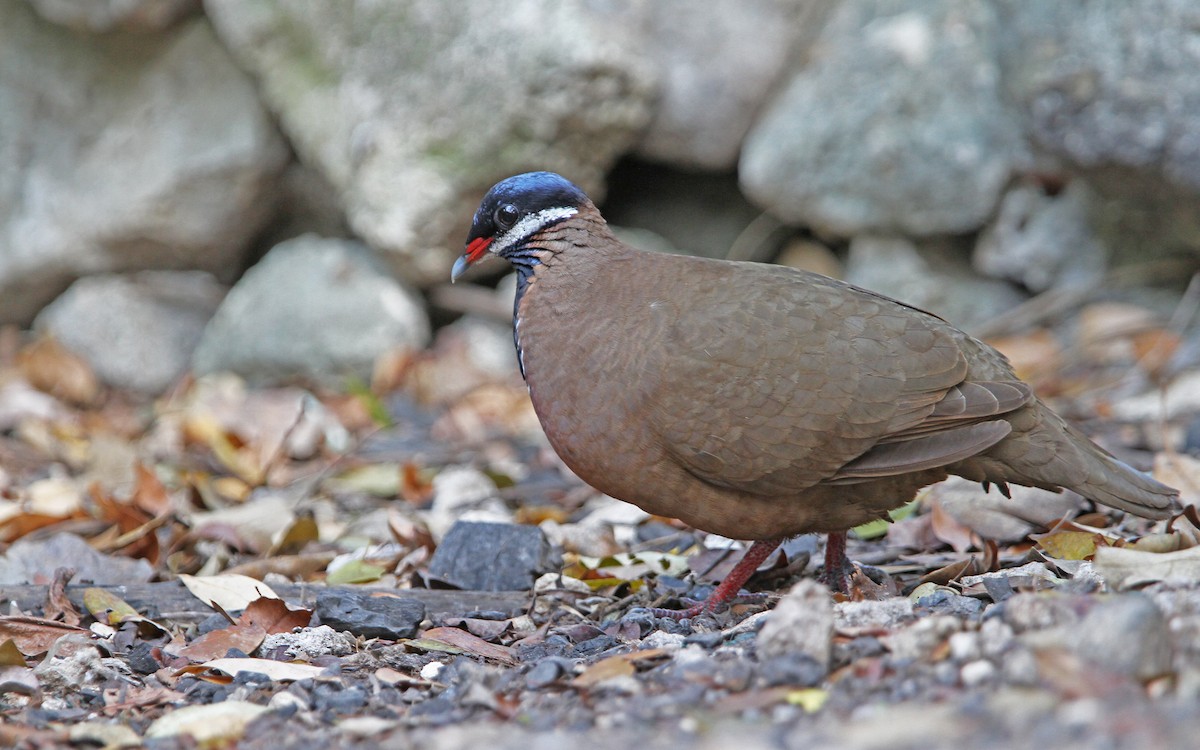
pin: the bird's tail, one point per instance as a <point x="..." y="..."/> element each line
<point x="1044" y="451"/>
<point x="1114" y="483"/>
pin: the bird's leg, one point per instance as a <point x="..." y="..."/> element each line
<point x="758" y="552"/>
<point x="837" y="566"/>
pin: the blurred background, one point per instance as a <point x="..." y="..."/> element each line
<point x="278" y="189"/>
<point x="203" y="201"/>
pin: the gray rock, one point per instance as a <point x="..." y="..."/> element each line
<point x="946" y="602"/>
<point x="101" y="16"/>
<point x="492" y="557"/>
<point x="716" y="69"/>
<point x="312" y="308"/>
<point x="1110" y="89"/>
<point x="137" y="331"/>
<point x="368" y="615"/>
<point x="123" y="152"/>
<point x="1026" y="612"/>
<point x="897" y="124"/>
<point x="801" y="623"/>
<point x="1127" y="634"/>
<point x="1109" y="83"/>
<point x="310" y="643"/>
<point x="935" y="278"/>
<point x="34" y="561"/>
<point x="1043" y="241"/>
<point x="884" y="614"/>
<point x="411" y="109"/>
<point x="479" y="556"/>
<point x="1005" y="519"/>
<point x="920" y="639"/>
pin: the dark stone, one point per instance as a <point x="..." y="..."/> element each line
<point x="594" y="646"/>
<point x="329" y="696"/>
<point x="707" y="640"/>
<point x="554" y="645"/>
<point x="478" y="556"/>
<point x="547" y="671"/>
<point x="362" y="614"/>
<point x="997" y="588"/>
<point x="796" y="669"/>
<point x="944" y="602"/>
<point x="140" y="659"/>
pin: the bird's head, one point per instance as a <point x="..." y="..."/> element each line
<point x="515" y="210"/>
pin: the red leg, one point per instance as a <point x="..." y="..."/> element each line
<point x="837" y="566"/>
<point x="758" y="552"/>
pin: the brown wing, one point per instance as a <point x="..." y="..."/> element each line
<point x="804" y="380"/>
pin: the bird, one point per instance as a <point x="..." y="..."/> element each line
<point x="761" y="402"/>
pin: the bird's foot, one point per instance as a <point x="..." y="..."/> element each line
<point x="729" y="588"/>
<point x="694" y="607"/>
<point x="838" y="567"/>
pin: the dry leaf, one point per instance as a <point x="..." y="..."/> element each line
<point x="215" y="644"/>
<point x="230" y="592"/>
<point x="210" y="725"/>
<point x="10" y="655"/>
<point x="58" y="606"/>
<point x="1071" y="545"/>
<point x="1126" y="568"/>
<point x="471" y="644"/>
<point x="34" y="635"/>
<point x="51" y="367"/>
<point x="946" y="528"/>
<point x="279" y="671"/>
<point x="620" y="665"/>
<point x="274" y="616"/>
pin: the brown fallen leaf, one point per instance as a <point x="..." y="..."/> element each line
<point x="52" y="368"/>
<point x="34" y="635"/>
<point x="946" y="528"/>
<point x="58" y="606"/>
<point x="274" y="616"/>
<point x="217" y="643"/>
<point x="619" y="665"/>
<point x="472" y="644"/>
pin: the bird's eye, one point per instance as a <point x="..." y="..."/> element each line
<point x="506" y="215"/>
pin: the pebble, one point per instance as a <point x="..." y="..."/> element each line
<point x="432" y="670"/>
<point x="977" y="672"/>
<point x="310" y="643"/>
<point x="801" y="623"/>
<point x="389" y="617"/>
<point x="482" y="556"/>
<point x="918" y="640"/>
<point x="946" y="602"/>
<point x="1127" y="634"/>
<point x="883" y="614"/>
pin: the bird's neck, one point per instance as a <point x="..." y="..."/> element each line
<point x="564" y="255"/>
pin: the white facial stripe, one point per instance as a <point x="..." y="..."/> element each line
<point x="529" y="225"/>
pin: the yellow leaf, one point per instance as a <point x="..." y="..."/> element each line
<point x="10" y="655"/>
<point x="1071" y="545"/>
<point x="107" y="607"/>
<point x="810" y="699"/>
<point x="355" y="571"/>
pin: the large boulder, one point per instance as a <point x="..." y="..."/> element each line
<point x="896" y="125"/>
<point x="109" y="15"/>
<point x="136" y="330"/>
<point x="1111" y="90"/>
<point x="411" y="109"/>
<point x="314" y="308"/>
<point x="126" y="151"/>
<point x="717" y="66"/>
